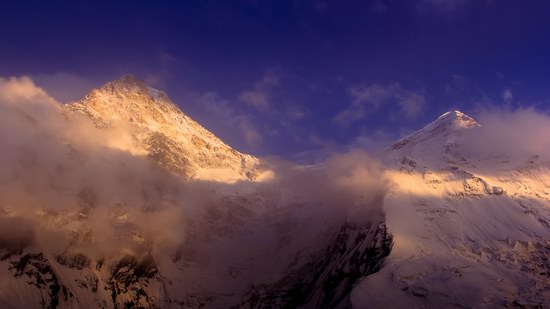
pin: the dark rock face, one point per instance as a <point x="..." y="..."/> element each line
<point x="497" y="191"/>
<point x="77" y="261"/>
<point x="36" y="269"/>
<point x="130" y="277"/>
<point x="328" y="278"/>
<point x="324" y="280"/>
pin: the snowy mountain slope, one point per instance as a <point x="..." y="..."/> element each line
<point x="264" y="261"/>
<point x="88" y="219"/>
<point x="470" y="230"/>
<point x="169" y="137"/>
<point x="121" y="200"/>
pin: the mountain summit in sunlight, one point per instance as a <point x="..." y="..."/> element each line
<point x="163" y="132"/>
<point x="120" y="200"/>
<point x="444" y="129"/>
<point x="437" y="142"/>
<point x="471" y="224"/>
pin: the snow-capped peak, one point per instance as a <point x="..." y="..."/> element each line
<point x="436" y="142"/>
<point x="457" y="119"/>
<point x="127" y="82"/>
<point x="445" y="128"/>
<point x="449" y="204"/>
<point x="130" y="86"/>
<point x="130" y="83"/>
<point x="168" y="135"/>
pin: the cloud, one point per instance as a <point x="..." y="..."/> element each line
<point x="16" y="90"/>
<point x="160" y="73"/>
<point x="379" y="6"/>
<point x="341" y="180"/>
<point x="367" y="99"/>
<point x="259" y="96"/>
<point x="255" y="98"/>
<point x="507" y="95"/>
<point x="55" y="169"/>
<point x="411" y="103"/>
<point x="67" y="187"/>
<point x="422" y="7"/>
<point x="221" y="109"/>
<point x="517" y="134"/>
<point x="295" y="112"/>
<point x="458" y="84"/>
<point x="251" y="135"/>
<point x="374" y="142"/>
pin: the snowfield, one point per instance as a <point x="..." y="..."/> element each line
<point x="469" y="231"/>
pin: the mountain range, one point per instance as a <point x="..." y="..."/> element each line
<point x="122" y="200"/>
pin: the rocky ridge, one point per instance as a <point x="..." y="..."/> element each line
<point x="169" y="137"/>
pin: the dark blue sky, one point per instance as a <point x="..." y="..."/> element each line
<point x="282" y="77"/>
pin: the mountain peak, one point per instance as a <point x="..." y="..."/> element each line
<point x="129" y="99"/>
<point x="129" y="79"/>
<point x="450" y="122"/>
<point x="444" y="130"/>
<point x="172" y="139"/>
<point x="130" y="85"/>
<point x="457" y="119"/>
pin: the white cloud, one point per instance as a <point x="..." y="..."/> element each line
<point x="370" y="98"/>
<point x="23" y="89"/>
<point x="48" y="160"/>
<point x="411" y="103"/>
<point x="507" y="95"/>
<point x="251" y="135"/>
<point x="64" y="189"/>
<point x="255" y="98"/>
<point x="517" y="134"/>
<point x="295" y="112"/>
<point x="374" y="142"/>
<point x="259" y="96"/>
<point x="222" y="110"/>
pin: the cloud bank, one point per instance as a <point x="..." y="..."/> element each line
<point x="516" y="133"/>
<point x="72" y="187"/>
<point x="66" y="177"/>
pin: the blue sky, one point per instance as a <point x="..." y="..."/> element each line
<point x="289" y="77"/>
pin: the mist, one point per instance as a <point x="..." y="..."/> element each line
<point x="69" y="186"/>
<point x="515" y="133"/>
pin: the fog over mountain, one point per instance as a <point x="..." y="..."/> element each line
<point x="253" y="154"/>
<point x="122" y="200"/>
<point x="469" y="209"/>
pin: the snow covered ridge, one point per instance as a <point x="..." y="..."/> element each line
<point x="448" y="126"/>
<point x="164" y="132"/>
<point x="120" y="200"/>
<point x="471" y="227"/>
